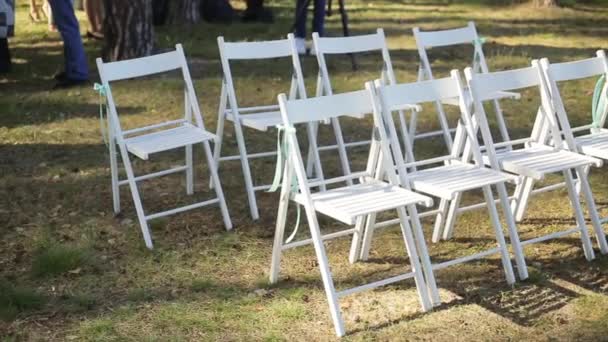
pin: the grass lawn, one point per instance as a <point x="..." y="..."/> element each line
<point x="71" y="270"/>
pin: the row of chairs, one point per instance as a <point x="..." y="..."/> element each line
<point x="191" y="130"/>
<point x="394" y="180"/>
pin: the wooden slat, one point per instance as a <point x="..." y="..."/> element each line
<point x="257" y="50"/>
<point x="143" y="66"/>
<point x="486" y="85"/>
<point x="352" y="44"/>
<point x="144" y="145"/>
<point x="595" y="145"/>
<point x="431" y="39"/>
<point x="577" y="69"/>
<point x="356" y="103"/>
<point x="395" y="96"/>
<point x="347" y="203"/>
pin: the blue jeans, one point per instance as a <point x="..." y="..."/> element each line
<point x="318" y="20"/>
<point x="76" y="67"/>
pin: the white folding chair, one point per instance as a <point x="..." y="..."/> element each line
<point x="443" y="38"/>
<point x="595" y="142"/>
<point x="142" y="142"/>
<point x="455" y="174"/>
<point x="259" y="118"/>
<point x="325" y="46"/>
<point x="535" y="159"/>
<point x="348" y="204"/>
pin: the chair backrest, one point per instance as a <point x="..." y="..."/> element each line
<point x="230" y="51"/>
<point x="393" y="97"/>
<point x="570" y="71"/>
<point x="357" y="103"/>
<point x="483" y="85"/>
<point x="442" y="38"/>
<point x="350" y="45"/>
<point x="146" y="66"/>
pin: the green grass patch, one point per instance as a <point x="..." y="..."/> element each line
<point x="17" y="299"/>
<point x="51" y="259"/>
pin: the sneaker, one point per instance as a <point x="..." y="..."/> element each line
<point x="301" y="46"/>
<point x="313" y="52"/>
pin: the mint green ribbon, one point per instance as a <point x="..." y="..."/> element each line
<point x="479" y="41"/>
<point x="282" y="160"/>
<point x="600" y="101"/>
<point x="103" y="92"/>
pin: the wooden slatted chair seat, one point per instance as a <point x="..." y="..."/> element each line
<point x="144" y="145"/>
<point x="539" y="161"/>
<point x="446" y="181"/>
<point x="349" y="202"/>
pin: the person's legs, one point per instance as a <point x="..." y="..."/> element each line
<point x="76" y="68"/>
<point x="34" y="12"/>
<point x="318" y="21"/>
<point x="300" y="25"/>
<point x="94" y="10"/>
<point x="5" y="56"/>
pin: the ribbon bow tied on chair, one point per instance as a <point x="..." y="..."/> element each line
<point x="103" y="92"/>
<point x="283" y="152"/>
<point x="600" y="101"/>
<point x="477" y="43"/>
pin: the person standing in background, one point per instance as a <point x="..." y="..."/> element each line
<point x="76" y="70"/>
<point x="7" y="29"/>
<point x="318" y="22"/>
<point x="94" y="10"/>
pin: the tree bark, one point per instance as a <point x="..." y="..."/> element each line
<point x="129" y="29"/>
<point x="546" y="3"/>
<point x="186" y="11"/>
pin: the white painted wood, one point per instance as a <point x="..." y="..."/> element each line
<point x="256" y="50"/>
<point x="349" y="204"/>
<point x="256" y="117"/>
<point x="488" y="84"/>
<point x="536" y="159"/>
<point x="320" y="108"/>
<point x="350" y="44"/>
<point x="144" y="145"/>
<point x="431" y="39"/>
<point x="144" y="66"/>
<point x="169" y="135"/>
<point x="443" y="181"/>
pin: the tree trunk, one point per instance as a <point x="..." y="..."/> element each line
<point x="128" y="29"/>
<point x="186" y="11"/>
<point x="546" y="3"/>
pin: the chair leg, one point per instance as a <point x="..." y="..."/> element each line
<point x="189" y="171"/>
<point x="341" y="149"/>
<point x="114" y="175"/>
<point x="500" y="238"/>
<point x="240" y="139"/>
<point x="355" y="246"/>
<point x="367" y="236"/>
<point x="522" y="198"/>
<point x="310" y="161"/>
<point x="578" y="214"/>
<point x="219" y="132"/>
<point x="423" y="253"/>
<point x="328" y="284"/>
<point x="520" y="260"/>
<point x="412" y="252"/>
<point x="143" y="223"/>
<point x="583" y="183"/>
<point x="277" y="247"/>
<point x="440" y="220"/>
<point x="450" y="221"/>
<point x="217" y="186"/>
